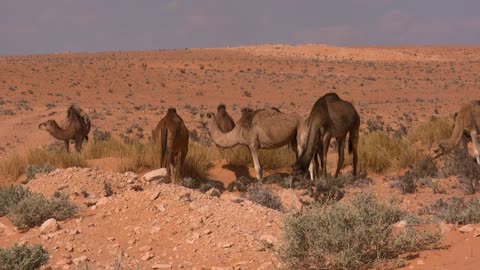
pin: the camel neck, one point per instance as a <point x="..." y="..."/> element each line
<point x="59" y="133"/>
<point x="225" y="140"/>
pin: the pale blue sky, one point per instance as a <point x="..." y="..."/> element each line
<point x="45" y="26"/>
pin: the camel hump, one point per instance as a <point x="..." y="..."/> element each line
<point x="75" y="113"/>
<point x="221" y="107"/>
<point x="171" y="110"/>
<point x="249" y="114"/>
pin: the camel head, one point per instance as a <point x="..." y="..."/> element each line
<point x="437" y="150"/>
<point x="48" y="125"/>
<point x="206" y="118"/>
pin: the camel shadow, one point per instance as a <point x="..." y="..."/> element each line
<point x="240" y="171"/>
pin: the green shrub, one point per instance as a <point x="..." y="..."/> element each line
<point x="349" y="236"/>
<point x="455" y="210"/>
<point x="23" y="257"/>
<point x="10" y="196"/>
<point x="33" y="210"/>
<point x="34" y="169"/>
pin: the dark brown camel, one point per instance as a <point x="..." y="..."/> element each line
<point x="330" y="117"/>
<point x="173" y="135"/>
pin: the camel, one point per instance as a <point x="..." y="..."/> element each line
<point x="173" y="136"/>
<point x="466" y="121"/>
<point x="224" y="121"/>
<point x="330" y="117"/>
<point x="76" y="127"/>
<point x="302" y="135"/>
<point x="259" y="129"/>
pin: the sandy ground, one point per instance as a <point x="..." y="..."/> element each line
<point x="398" y="86"/>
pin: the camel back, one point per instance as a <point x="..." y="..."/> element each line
<point x="75" y="113"/>
<point x="248" y="114"/>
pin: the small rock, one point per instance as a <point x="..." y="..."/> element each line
<point x="80" y="259"/>
<point x="69" y="247"/>
<point x="160" y="207"/>
<point x="155" y="229"/>
<point x="466" y="229"/>
<point x="155" y="175"/>
<point x="102" y="201"/>
<point x="131" y="175"/>
<point x="49" y="226"/>
<point x="154" y="195"/>
<point x="213" y="192"/>
<point x="269" y="239"/>
<point x="161" y="266"/>
<point x="445" y="228"/>
<point x="147" y="256"/>
<point x="420" y="262"/>
<point x="207" y="231"/>
<point x="226" y="245"/>
<point x="145" y="248"/>
<point x="401" y="224"/>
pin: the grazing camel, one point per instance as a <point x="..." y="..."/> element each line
<point x="173" y="135"/>
<point x="260" y="129"/>
<point x="302" y="135"/>
<point x="330" y="117"/>
<point x="224" y="121"/>
<point x="76" y="127"/>
<point x="467" y="120"/>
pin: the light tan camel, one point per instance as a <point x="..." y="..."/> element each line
<point x="224" y="121"/>
<point x="330" y="117"/>
<point x="172" y="134"/>
<point x="467" y="120"/>
<point x="76" y="127"/>
<point x="260" y="129"/>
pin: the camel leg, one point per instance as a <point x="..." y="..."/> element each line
<point x="79" y="143"/>
<point x="183" y="155"/>
<point x="172" y="165"/>
<point x="465" y="145"/>
<point x="256" y="163"/>
<point x="67" y="146"/>
<point x="325" y="144"/>
<point x="476" y="148"/>
<point x="341" y="154"/>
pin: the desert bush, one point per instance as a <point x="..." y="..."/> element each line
<point x="349" y="236"/>
<point x="455" y="210"/>
<point x="263" y="195"/>
<point x="430" y="131"/>
<point x="23" y="257"/>
<point x="189" y="182"/>
<point x="406" y="183"/>
<point x="107" y="189"/>
<point x="10" y="196"/>
<point x="12" y="166"/>
<point x="199" y="160"/>
<point x="329" y="189"/>
<point x="465" y="168"/>
<point x="380" y="152"/>
<point x="34" y="169"/>
<point x="34" y="209"/>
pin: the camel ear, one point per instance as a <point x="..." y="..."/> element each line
<point x="209" y="115"/>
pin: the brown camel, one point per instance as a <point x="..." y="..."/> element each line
<point x="260" y="129"/>
<point x="173" y="135"/>
<point x="76" y="127"/>
<point x="224" y="121"/>
<point x="330" y="117"/>
<point x="466" y="121"/>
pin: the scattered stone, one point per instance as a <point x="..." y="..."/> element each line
<point x="213" y="192"/>
<point x="226" y="245"/>
<point x="154" y="195"/>
<point x="147" y="256"/>
<point x="420" y="262"/>
<point x="445" y="228"/>
<point x="269" y="240"/>
<point x="69" y="247"/>
<point x="160" y="207"/>
<point x="49" y="226"/>
<point x="145" y="248"/>
<point x="466" y="229"/>
<point x="80" y="259"/>
<point x="207" y="232"/>
<point x="102" y="201"/>
<point x="131" y="175"/>
<point x="155" y="175"/>
<point x="400" y="224"/>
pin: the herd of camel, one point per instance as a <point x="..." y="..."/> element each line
<point x="270" y="128"/>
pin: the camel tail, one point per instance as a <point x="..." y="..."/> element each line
<point x="163" y="148"/>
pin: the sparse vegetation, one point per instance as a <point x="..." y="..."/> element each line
<point x="455" y="210"/>
<point x="23" y="257"/>
<point x="465" y="168"/>
<point x="34" y="169"/>
<point x="10" y="196"/>
<point x="349" y="236"/>
<point x="430" y="131"/>
<point x="263" y="195"/>
<point x="33" y="208"/>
